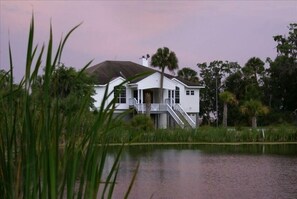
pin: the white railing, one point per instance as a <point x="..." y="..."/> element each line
<point x="155" y="107"/>
<point x="133" y="103"/>
<point x="175" y="116"/>
<point x="178" y="108"/>
<point x="142" y="107"/>
<point x="169" y="101"/>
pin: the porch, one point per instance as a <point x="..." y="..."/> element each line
<point x="174" y="110"/>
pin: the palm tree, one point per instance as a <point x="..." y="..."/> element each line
<point x="164" y="58"/>
<point x="228" y="98"/>
<point x="188" y="74"/>
<point x="254" y="108"/>
<point x="148" y="100"/>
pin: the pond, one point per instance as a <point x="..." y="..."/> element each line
<point x="209" y="171"/>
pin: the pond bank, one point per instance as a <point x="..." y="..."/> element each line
<point x="279" y="134"/>
<point x="202" y="143"/>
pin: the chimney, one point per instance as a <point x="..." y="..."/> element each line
<point x="144" y="60"/>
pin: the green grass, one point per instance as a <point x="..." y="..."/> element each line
<point x="32" y="162"/>
<point x="126" y="133"/>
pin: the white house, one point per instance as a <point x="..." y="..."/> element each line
<point x="181" y="99"/>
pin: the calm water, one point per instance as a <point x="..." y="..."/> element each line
<point x="209" y="171"/>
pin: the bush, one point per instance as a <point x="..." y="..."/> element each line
<point x="142" y="123"/>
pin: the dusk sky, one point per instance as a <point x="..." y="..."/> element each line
<point x="197" y="31"/>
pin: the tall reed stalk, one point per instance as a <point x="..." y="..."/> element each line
<point x="45" y="153"/>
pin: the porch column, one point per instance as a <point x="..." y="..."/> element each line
<point x="141" y="96"/>
<point x="138" y="96"/>
<point x="141" y="100"/>
<point x="173" y="96"/>
<point x="169" y="97"/>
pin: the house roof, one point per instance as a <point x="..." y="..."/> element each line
<point x="109" y="70"/>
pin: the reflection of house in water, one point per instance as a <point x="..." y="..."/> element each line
<point x="181" y="98"/>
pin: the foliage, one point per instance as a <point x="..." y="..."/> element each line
<point x="206" y="134"/>
<point x="253" y="73"/>
<point x="213" y="76"/>
<point x="164" y="59"/>
<point x="274" y="86"/>
<point x="283" y="72"/>
<point x="228" y="98"/>
<point x="66" y="81"/>
<point x="46" y="153"/>
<point x="142" y="123"/>
<point x="254" y="108"/>
<point x="188" y="74"/>
<point x="4" y="79"/>
<point x="68" y="86"/>
<point x="253" y="70"/>
<point x="235" y="84"/>
<point x="287" y="45"/>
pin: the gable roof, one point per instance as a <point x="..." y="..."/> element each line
<point x="106" y="71"/>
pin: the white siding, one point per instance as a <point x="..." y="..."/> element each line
<point x="100" y="93"/>
<point x="190" y="103"/>
<point x="153" y="81"/>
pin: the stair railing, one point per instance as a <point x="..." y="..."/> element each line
<point x="175" y="116"/>
<point x="178" y="108"/>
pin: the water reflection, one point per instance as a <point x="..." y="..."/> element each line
<point x="209" y="171"/>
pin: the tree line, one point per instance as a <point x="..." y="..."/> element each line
<point x="252" y="90"/>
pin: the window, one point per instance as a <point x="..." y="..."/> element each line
<point x="177" y="96"/>
<point x="121" y="92"/>
<point x="190" y="92"/>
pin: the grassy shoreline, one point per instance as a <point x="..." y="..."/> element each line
<point x="279" y="134"/>
<point x="201" y="143"/>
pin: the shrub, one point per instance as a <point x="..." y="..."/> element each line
<point x="142" y="123"/>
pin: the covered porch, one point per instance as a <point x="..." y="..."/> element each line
<point x="151" y="97"/>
